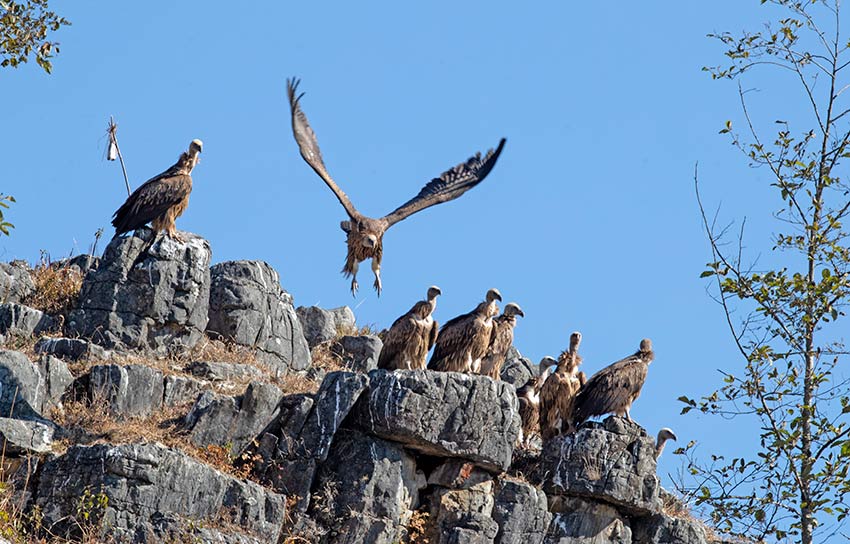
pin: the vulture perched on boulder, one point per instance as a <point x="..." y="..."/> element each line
<point x="558" y="394"/>
<point x="501" y="340"/>
<point x="411" y="336"/>
<point x="529" y="403"/>
<point x="613" y="389"/>
<point x="464" y="340"/>
<point x="365" y="234"/>
<point x="161" y="199"/>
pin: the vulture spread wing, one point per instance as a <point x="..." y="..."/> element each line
<point x="450" y="185"/>
<point x="309" y="146"/>
<point x="151" y="200"/>
<point x="611" y="389"/>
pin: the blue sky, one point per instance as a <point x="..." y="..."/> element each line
<point x="589" y="220"/>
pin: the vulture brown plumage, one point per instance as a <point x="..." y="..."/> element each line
<point x="463" y="341"/>
<point x="365" y="234"/>
<point x="529" y="404"/>
<point x="613" y="389"/>
<point x="161" y="199"/>
<point x="501" y="340"/>
<point x="558" y="394"/>
<point x="411" y="336"/>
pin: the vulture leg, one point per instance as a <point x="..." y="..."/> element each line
<point x="376" y="268"/>
<point x="354" y="284"/>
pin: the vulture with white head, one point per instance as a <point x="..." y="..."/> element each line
<point x="558" y="394"/>
<point x="664" y="435"/>
<point x="464" y="340"/>
<point x="161" y="199"/>
<point x="501" y="340"/>
<point x="529" y="403"/>
<point x="411" y="336"/>
<point x="613" y="389"/>
<point x="365" y="234"/>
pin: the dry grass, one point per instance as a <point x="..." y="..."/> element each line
<point x="677" y="509"/>
<point x="56" y="288"/>
<point x="419" y="527"/>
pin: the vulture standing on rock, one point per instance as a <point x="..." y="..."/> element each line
<point x="365" y="234"/>
<point x="613" y="389"/>
<point x="529" y="403"/>
<point x="664" y="435"/>
<point x="411" y="336"/>
<point x="501" y="340"/>
<point x="558" y="394"/>
<point x="463" y="341"/>
<point x="161" y="199"/>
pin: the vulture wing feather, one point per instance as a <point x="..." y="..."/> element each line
<point x="611" y="389"/>
<point x="152" y="199"/>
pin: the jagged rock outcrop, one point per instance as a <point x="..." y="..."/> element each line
<point x="233" y="421"/>
<point x="445" y="414"/>
<point x="577" y="521"/>
<point x="153" y="491"/>
<point x="613" y="461"/>
<point x="664" y="529"/>
<point x="127" y="391"/>
<point x="464" y="516"/>
<point x="15" y="282"/>
<point x="521" y="511"/>
<point x="30" y="390"/>
<point x="17" y="319"/>
<point x="369" y="491"/>
<point x="358" y="353"/>
<point x="320" y="325"/>
<point x="19" y="437"/>
<point x="73" y="349"/>
<point x="223" y="372"/>
<point x="249" y="307"/>
<point x="142" y="296"/>
<point x="517" y="369"/>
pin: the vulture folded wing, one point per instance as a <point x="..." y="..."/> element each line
<point x="611" y="389"/>
<point x="450" y="185"/>
<point x="455" y="336"/>
<point x="396" y="341"/>
<point x="151" y="200"/>
<point x="433" y="333"/>
<point x="309" y="145"/>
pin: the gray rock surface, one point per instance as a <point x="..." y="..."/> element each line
<point x="27" y="390"/>
<point x="73" y="349"/>
<point x="153" y="299"/>
<point x="445" y="414"/>
<point x="19" y="437"/>
<point x="127" y="391"/>
<point x="15" y="282"/>
<point x="181" y="390"/>
<point x="613" y="461"/>
<point x="522" y="512"/>
<point x="577" y="521"/>
<point x="368" y="492"/>
<point x="149" y="486"/>
<point x="358" y="353"/>
<point x="458" y="474"/>
<point x="56" y="378"/>
<point x="320" y="325"/>
<point x="517" y="369"/>
<point x="227" y="372"/>
<point x="21" y="320"/>
<point x="234" y="421"/>
<point x="249" y="307"/>
<point x="80" y="263"/>
<point x="663" y="529"/>
<point x="463" y="516"/>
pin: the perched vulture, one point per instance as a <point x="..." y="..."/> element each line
<point x="501" y="340"/>
<point x="664" y="435"/>
<point x="365" y="234"/>
<point x="613" y="389"/>
<point x="529" y="404"/>
<point x="463" y="341"/>
<point x="161" y="199"/>
<point x="411" y="336"/>
<point x="558" y="394"/>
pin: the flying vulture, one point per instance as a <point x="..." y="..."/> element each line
<point x="529" y="403"/>
<point x="613" y="389"/>
<point x="365" y="234"/>
<point x="161" y="199"/>
<point x="501" y="340"/>
<point x="664" y="435"/>
<point x="558" y="394"/>
<point x="411" y="336"/>
<point x="463" y="341"/>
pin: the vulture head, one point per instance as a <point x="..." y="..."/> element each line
<point x="512" y="308"/>
<point x="664" y="435"/>
<point x="196" y="146"/>
<point x="190" y="158"/>
<point x="575" y="341"/>
<point x="493" y="295"/>
<point x="546" y="364"/>
<point x="434" y="292"/>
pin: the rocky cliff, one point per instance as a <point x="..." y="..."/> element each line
<point x="181" y="403"/>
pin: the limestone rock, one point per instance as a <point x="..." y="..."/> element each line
<point x="522" y="512"/>
<point x="612" y="462"/>
<point x="577" y="521"/>
<point x="358" y="353"/>
<point x="150" y="489"/>
<point x="153" y="298"/>
<point x="27" y="390"/>
<point x="18" y="437"/>
<point x="22" y="320"/>
<point x="517" y="369"/>
<point x="226" y="372"/>
<point x="463" y="516"/>
<point x="234" y="421"/>
<point x="128" y="391"/>
<point x="249" y="307"/>
<point x="445" y="414"/>
<point x="664" y="529"/>
<point x="15" y="282"/>
<point x="322" y="325"/>
<point x="73" y="349"/>
<point x="180" y="390"/>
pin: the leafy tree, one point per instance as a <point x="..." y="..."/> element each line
<point x="24" y="29"/>
<point x="4" y="203"/>
<point x="787" y="321"/>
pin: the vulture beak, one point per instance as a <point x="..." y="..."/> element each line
<point x="370" y="241"/>
<point x="514" y="309"/>
<point x="494" y="294"/>
<point x="197" y="144"/>
<point x="434" y="291"/>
